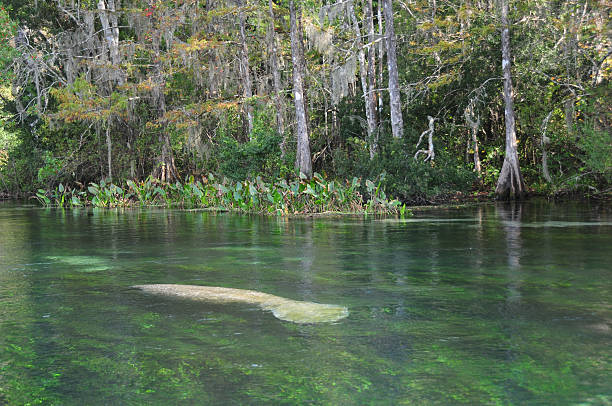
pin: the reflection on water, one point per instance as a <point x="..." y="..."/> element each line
<point x="501" y="303"/>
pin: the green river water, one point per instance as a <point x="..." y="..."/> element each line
<point x="494" y="304"/>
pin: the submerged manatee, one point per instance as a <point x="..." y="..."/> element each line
<point x="284" y="309"/>
<point x="82" y="262"/>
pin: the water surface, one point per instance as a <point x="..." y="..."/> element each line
<point x="494" y="304"/>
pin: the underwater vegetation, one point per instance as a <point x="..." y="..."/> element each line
<point x="469" y="306"/>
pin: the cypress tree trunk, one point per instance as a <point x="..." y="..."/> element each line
<point x="109" y="155"/>
<point x="381" y="58"/>
<point x="245" y="72"/>
<point x="110" y="27"/>
<point x="303" y="160"/>
<point x="278" y="102"/>
<point x="510" y="184"/>
<point x="477" y="166"/>
<point x="363" y="75"/>
<point x="397" y="122"/>
<point x="471" y="115"/>
<point x="166" y="170"/>
<point x="371" y="100"/>
<point x="544" y="141"/>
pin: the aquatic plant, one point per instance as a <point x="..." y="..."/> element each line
<point x="110" y="195"/>
<point x="282" y="308"/>
<point x="300" y="196"/>
<point x="144" y="191"/>
<point x="62" y="196"/>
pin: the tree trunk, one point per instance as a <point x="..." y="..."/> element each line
<point x="545" y="171"/>
<point x="114" y="26"/>
<point x="110" y="28"/>
<point x="568" y="109"/>
<point x="303" y="160"/>
<point x="166" y="170"/>
<point x="397" y="122"/>
<point x="381" y="57"/>
<point x="132" y="155"/>
<point x="545" y="141"/>
<point x="569" y="49"/>
<point x="89" y="20"/>
<point x="510" y="184"/>
<point x="278" y="101"/>
<point x="245" y="73"/>
<point x="363" y="75"/>
<point x="371" y="75"/>
<point x="477" y="166"/>
<point x="429" y="152"/>
<point x="109" y="153"/>
<point x="473" y="121"/>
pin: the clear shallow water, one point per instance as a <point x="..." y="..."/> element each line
<point x="486" y="305"/>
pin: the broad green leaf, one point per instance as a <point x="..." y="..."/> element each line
<point x="370" y="185"/>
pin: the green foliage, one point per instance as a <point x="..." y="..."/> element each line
<point x="8" y="29"/>
<point x="143" y="191"/>
<point x="316" y="195"/>
<point x="413" y="180"/>
<point x="108" y="195"/>
<point x="491" y="171"/>
<point x="182" y="101"/>
<point x="61" y="196"/>
<point x="597" y="148"/>
<point x="261" y="155"/>
<point x="401" y="175"/>
<point x="595" y="140"/>
<point x="50" y="172"/>
<point x="19" y="161"/>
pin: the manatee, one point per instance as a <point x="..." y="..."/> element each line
<point x="85" y="263"/>
<point x="284" y="309"/>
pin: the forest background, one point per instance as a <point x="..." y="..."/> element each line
<point x="408" y="93"/>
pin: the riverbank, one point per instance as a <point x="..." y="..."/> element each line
<point x="315" y="197"/>
<point x="300" y="196"/>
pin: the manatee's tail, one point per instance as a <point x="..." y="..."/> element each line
<point x="307" y="312"/>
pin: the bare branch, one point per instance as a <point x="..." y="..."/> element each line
<point x="430" y="154"/>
